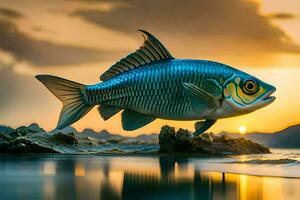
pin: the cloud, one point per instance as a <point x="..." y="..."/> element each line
<point x="13" y="88"/>
<point x="42" y="52"/>
<point x="10" y="13"/>
<point x="23" y="100"/>
<point x="230" y="25"/>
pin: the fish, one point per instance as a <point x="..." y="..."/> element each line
<point x="150" y="83"/>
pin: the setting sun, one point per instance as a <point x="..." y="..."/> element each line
<point x="242" y="129"/>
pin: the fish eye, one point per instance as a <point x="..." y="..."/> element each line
<point x="250" y="87"/>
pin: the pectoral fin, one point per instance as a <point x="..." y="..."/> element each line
<point x="202" y="126"/>
<point x="132" y="120"/>
<point x="201" y="101"/>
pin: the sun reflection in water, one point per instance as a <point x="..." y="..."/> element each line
<point x="49" y="189"/>
<point x="116" y="180"/>
<point x="134" y="178"/>
<point x="184" y="172"/>
<point x="272" y="188"/>
<point x="243" y="187"/>
<point x="49" y="168"/>
<point x="79" y="170"/>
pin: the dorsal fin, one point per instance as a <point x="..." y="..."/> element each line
<point x="151" y="51"/>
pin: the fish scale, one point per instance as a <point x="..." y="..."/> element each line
<point x="158" y="85"/>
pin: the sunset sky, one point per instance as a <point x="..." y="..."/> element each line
<point x="80" y="39"/>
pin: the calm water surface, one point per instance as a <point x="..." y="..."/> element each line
<point x="136" y="177"/>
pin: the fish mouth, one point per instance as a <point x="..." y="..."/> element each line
<point x="268" y="98"/>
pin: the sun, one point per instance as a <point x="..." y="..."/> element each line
<point x="242" y="129"/>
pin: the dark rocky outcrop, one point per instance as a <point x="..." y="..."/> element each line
<point x="65" y="138"/>
<point x="33" y="139"/>
<point x="207" y="144"/>
<point x="24" y="145"/>
<point x="19" y="140"/>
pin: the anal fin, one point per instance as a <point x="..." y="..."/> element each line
<point x="107" y="111"/>
<point x="133" y="120"/>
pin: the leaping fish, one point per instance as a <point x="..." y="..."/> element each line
<point x="150" y="83"/>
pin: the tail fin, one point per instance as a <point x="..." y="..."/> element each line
<point x="71" y="95"/>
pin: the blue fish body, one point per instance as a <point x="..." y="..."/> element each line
<point x="156" y="89"/>
<point x="150" y="83"/>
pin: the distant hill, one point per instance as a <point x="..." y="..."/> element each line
<point x="105" y="136"/>
<point x="287" y="138"/>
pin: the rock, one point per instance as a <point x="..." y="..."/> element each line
<point x="207" y="137"/>
<point x="6" y="130"/>
<point x="34" y="128"/>
<point x="24" y="145"/>
<point x="21" y="147"/>
<point x="114" y="151"/>
<point x="207" y="143"/>
<point x="114" y="140"/>
<point x="65" y="138"/>
<point x="182" y="139"/>
<point x="4" y="136"/>
<point x="167" y="139"/>
<point x="33" y="139"/>
<point x="21" y="131"/>
<point x="223" y="138"/>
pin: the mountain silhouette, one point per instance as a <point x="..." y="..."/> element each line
<point x="286" y="138"/>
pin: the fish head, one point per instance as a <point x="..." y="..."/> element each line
<point x="244" y="93"/>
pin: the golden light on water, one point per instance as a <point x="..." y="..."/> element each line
<point x="106" y="178"/>
<point x="49" y="168"/>
<point x="79" y="170"/>
<point x="242" y="129"/>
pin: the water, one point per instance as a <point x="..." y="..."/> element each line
<point x="149" y="177"/>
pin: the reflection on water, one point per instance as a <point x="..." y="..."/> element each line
<point x="120" y="177"/>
